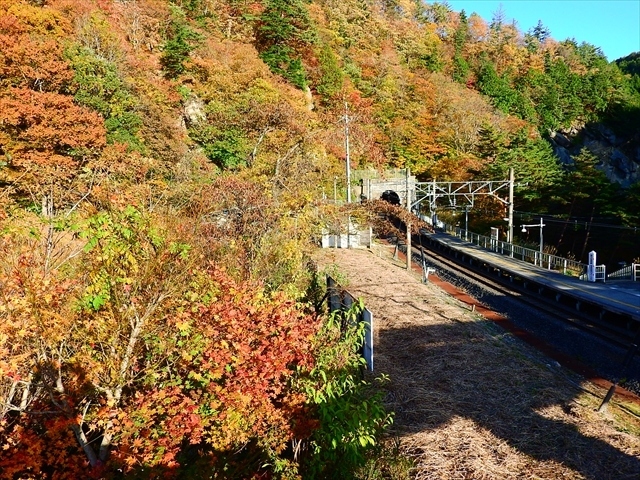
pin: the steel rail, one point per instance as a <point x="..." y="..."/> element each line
<point x="583" y="320"/>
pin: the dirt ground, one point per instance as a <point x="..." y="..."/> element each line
<point x="471" y="401"/>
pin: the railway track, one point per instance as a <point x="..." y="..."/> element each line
<point x="599" y="342"/>
<point x="494" y="281"/>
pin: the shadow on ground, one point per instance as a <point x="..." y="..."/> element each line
<point x="443" y="371"/>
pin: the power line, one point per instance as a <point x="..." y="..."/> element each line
<point x="577" y="221"/>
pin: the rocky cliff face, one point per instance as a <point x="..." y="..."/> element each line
<point x="619" y="156"/>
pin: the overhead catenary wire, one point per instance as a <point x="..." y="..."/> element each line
<point x="580" y="221"/>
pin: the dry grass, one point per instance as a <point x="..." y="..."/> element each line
<point x="471" y="401"/>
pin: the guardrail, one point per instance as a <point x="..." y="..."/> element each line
<point x="543" y="260"/>
<point x="339" y="299"/>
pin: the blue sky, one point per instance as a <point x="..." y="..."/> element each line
<point x="612" y="25"/>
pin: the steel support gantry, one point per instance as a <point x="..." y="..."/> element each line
<point x="431" y="192"/>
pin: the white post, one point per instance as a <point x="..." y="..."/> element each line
<point x="591" y="267"/>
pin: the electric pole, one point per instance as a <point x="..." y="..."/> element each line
<point x="511" y="181"/>
<point x="408" y="198"/>
<point x="346" y="146"/>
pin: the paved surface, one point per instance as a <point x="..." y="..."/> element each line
<point x="618" y="296"/>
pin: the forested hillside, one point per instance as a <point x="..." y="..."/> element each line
<point x="116" y="90"/>
<point x="161" y="170"/>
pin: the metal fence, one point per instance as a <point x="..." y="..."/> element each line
<point x="630" y="272"/>
<point x="339" y="299"/>
<point x="544" y="260"/>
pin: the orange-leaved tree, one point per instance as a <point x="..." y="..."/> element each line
<point x="74" y="345"/>
<point x="44" y="136"/>
<point x="226" y="383"/>
<point x="45" y="139"/>
<point x="31" y="47"/>
<point x="135" y="350"/>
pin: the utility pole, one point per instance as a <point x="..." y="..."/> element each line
<point x="511" y="182"/>
<point x="346" y="146"/>
<point x="466" y="222"/>
<point x="408" y="197"/>
<point x="432" y="210"/>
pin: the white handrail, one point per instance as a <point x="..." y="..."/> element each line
<point x="631" y="272"/>
<point x="544" y="260"/>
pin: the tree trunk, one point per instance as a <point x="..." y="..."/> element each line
<point x="86" y="446"/>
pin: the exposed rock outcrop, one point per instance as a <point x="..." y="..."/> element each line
<point x="619" y="157"/>
<point x="193" y="111"/>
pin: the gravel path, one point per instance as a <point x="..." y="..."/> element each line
<point x="470" y="400"/>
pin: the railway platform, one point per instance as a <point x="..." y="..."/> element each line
<point x="613" y="298"/>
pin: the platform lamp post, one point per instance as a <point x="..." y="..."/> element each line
<point x="540" y="225"/>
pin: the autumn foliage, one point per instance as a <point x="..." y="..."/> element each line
<point x="143" y="355"/>
<point x="46" y="138"/>
<point x="162" y="166"/>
